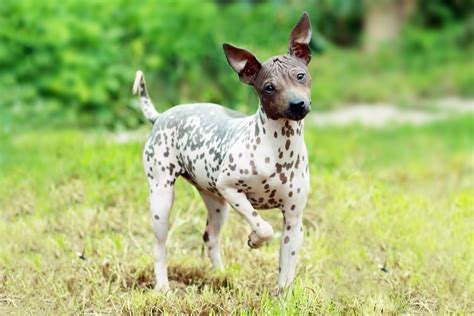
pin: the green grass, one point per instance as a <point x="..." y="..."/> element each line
<point x="400" y="199"/>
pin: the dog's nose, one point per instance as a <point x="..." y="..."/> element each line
<point x="298" y="108"/>
<point x="297" y="105"/>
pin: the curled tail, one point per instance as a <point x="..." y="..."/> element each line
<point x="146" y="105"/>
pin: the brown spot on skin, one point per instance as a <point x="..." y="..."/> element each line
<point x="275" y="135"/>
<point x="290" y="194"/>
<point x="288" y="227"/>
<point x="254" y="213"/>
<point x="157" y="217"/>
<point x="257" y="140"/>
<point x="283" y="178"/>
<point x="297" y="161"/>
<point x="267" y="159"/>
<point x="254" y="167"/>
<point x="205" y="237"/>
<point x="280" y="155"/>
<point x="218" y="210"/>
<point x="287" y="144"/>
<point x="292" y="253"/>
<point x="286" y="240"/>
<point x="278" y="167"/>
<point x="293" y="207"/>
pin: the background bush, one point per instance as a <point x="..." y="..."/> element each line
<point x="73" y="62"/>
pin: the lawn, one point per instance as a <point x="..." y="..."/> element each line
<point x="389" y="229"/>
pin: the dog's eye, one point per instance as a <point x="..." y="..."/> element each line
<point x="300" y="76"/>
<point x="269" y="88"/>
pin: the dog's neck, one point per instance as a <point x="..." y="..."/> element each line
<point x="280" y="130"/>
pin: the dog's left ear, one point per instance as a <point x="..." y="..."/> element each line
<point x="300" y="37"/>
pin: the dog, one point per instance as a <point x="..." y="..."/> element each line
<point x="248" y="163"/>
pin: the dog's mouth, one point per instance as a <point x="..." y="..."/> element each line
<point x="297" y="115"/>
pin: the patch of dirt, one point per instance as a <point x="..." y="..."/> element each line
<point x="383" y="114"/>
<point x="179" y="276"/>
<point x="199" y="276"/>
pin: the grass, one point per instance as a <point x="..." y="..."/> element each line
<point x="389" y="229"/>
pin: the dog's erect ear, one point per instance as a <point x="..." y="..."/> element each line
<point x="300" y="37"/>
<point x="243" y="62"/>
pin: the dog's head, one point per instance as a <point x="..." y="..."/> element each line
<point x="283" y="83"/>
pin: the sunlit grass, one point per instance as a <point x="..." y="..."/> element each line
<point x="389" y="228"/>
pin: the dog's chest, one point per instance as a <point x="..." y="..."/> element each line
<point x="271" y="171"/>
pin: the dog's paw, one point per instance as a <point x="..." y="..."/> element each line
<point x="161" y="288"/>
<point x="250" y="244"/>
<point x="255" y="241"/>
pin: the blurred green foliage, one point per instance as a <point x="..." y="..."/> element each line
<point x="73" y="62"/>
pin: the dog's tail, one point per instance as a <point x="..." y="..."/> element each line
<point x="146" y="105"/>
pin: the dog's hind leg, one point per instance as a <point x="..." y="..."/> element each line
<point x="217" y="211"/>
<point x="161" y="176"/>
<point x="161" y="201"/>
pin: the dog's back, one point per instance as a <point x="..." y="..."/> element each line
<point x="193" y="139"/>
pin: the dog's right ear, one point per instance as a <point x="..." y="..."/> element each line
<point x="243" y="62"/>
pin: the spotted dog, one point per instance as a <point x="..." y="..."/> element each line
<point x="246" y="162"/>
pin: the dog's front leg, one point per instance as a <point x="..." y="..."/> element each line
<point x="261" y="230"/>
<point x="291" y="241"/>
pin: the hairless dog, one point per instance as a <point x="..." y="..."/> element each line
<point x="246" y="162"/>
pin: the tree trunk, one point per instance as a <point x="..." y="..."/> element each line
<point x="384" y="21"/>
